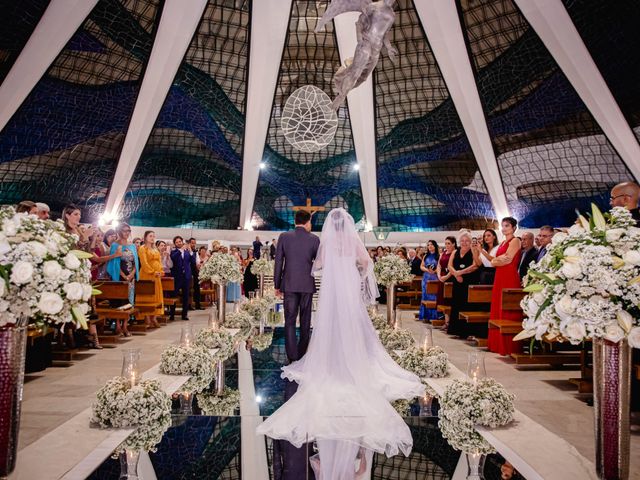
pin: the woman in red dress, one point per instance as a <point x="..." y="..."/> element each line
<point x="506" y="262"/>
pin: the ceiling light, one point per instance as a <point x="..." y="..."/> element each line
<point x="356" y="167"/>
<point x="263" y="165"/>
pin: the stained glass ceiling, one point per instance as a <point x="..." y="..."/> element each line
<point x="553" y="155"/>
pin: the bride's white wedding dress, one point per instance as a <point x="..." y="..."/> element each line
<point x="346" y="379"/>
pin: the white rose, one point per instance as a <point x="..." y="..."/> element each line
<point x="4" y="305"/>
<point x="51" y="269"/>
<point x="21" y="273"/>
<point x="575" y="229"/>
<point x="37" y="249"/>
<point x="10" y="227"/>
<point x="73" y="290"/>
<point x="564" y="306"/>
<point x="571" y="252"/>
<point x="50" y="303"/>
<point x="65" y="274"/>
<point x="86" y="292"/>
<point x="575" y="331"/>
<point x="3" y="287"/>
<point x="558" y="238"/>
<point x="614" y="234"/>
<point x="571" y="270"/>
<point x="634" y="337"/>
<point x="613" y="333"/>
<point x="71" y="261"/>
<point x="4" y="244"/>
<point x="625" y="320"/>
<point x="632" y="257"/>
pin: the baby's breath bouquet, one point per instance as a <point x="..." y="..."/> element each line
<point x="43" y="279"/>
<point x="216" y="405"/>
<point x="399" y="339"/>
<point x="392" y="269"/>
<point x="465" y="405"/>
<point x="262" y="266"/>
<point x="145" y="407"/>
<point x="196" y="361"/>
<point x="379" y="321"/>
<point x="220" y="268"/>
<point x="220" y="339"/>
<point x="430" y="363"/>
<point x="261" y="341"/>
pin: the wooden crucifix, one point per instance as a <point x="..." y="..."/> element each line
<point x="308" y="207"/>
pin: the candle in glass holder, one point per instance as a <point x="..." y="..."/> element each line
<point x="475" y="367"/>
<point x="130" y="366"/>
<point x="427" y="339"/>
<point x="186" y="336"/>
<point x="214" y="324"/>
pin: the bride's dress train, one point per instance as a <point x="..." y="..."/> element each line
<point x="346" y="379"/>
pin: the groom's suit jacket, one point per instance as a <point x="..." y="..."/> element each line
<point x="295" y="254"/>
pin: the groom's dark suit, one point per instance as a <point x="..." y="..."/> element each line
<point x="292" y="276"/>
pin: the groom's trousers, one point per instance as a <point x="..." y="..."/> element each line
<point x="297" y="303"/>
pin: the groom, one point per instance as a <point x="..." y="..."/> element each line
<point x="292" y="277"/>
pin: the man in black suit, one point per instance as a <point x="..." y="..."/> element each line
<point x="414" y="263"/>
<point x="181" y="272"/>
<point x="257" y="246"/>
<point x="529" y="254"/>
<point x="272" y="249"/>
<point x="195" y="260"/>
<point x="292" y="277"/>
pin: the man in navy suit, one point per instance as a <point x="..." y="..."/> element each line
<point x="181" y="271"/>
<point x="529" y="254"/>
<point x="292" y="277"/>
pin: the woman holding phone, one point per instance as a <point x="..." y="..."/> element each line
<point x="429" y="266"/>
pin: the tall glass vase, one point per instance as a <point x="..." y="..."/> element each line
<point x="261" y="284"/>
<point x="13" y="343"/>
<point x="129" y="464"/>
<point x="222" y="302"/>
<point x="475" y="466"/>
<point x="611" y="384"/>
<point x="391" y="305"/>
<point x="220" y="377"/>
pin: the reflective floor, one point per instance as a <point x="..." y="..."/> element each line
<point x="206" y="447"/>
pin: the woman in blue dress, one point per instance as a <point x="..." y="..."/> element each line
<point x="125" y="268"/>
<point x="428" y="266"/>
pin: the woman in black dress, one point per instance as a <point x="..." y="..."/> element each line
<point x="464" y="272"/>
<point x="250" y="282"/>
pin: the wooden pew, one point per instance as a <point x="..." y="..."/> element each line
<point x="432" y="289"/>
<point x="112" y="292"/>
<point x="479" y="294"/>
<point x="168" y="289"/>
<point x="145" y="302"/>
<point x="410" y="298"/>
<point x="501" y="331"/>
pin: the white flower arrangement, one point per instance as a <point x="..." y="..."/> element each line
<point x="588" y="283"/>
<point x="432" y="363"/>
<point x="240" y="319"/>
<point x="402" y="406"/>
<point x="145" y="406"/>
<point x="257" y="307"/>
<point x="379" y="321"/>
<point x="216" y="405"/>
<point x="220" y="339"/>
<point x="262" y="266"/>
<point x="262" y="341"/>
<point x="43" y="278"/>
<point x="196" y="361"/>
<point x="274" y="319"/>
<point x="392" y="269"/>
<point x="465" y="405"/>
<point x="220" y="268"/>
<point x="399" y="339"/>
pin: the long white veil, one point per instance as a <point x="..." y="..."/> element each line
<point x="346" y="379"/>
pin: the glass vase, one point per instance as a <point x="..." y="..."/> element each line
<point x="391" y="301"/>
<point x="186" y="403"/>
<point x="186" y="336"/>
<point x="131" y="366"/>
<point x="222" y="301"/>
<point x="261" y="285"/>
<point x="129" y="464"/>
<point x="475" y="367"/>
<point x="219" y="377"/>
<point x="475" y="466"/>
<point x="213" y="322"/>
<point x="427" y="338"/>
<point x="13" y="342"/>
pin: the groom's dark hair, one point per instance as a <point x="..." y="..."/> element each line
<point x="302" y="217"/>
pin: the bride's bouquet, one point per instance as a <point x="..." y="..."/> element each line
<point x="42" y="277"/>
<point x="220" y="268"/>
<point x="588" y="284"/>
<point x="392" y="269"/>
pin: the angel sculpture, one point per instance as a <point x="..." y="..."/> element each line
<point x="372" y="33"/>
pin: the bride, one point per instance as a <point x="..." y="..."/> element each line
<point x="346" y="379"/>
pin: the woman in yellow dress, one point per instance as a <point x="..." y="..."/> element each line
<point x="151" y="269"/>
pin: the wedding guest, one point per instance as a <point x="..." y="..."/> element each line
<point x="402" y="253"/>
<point x="181" y="273"/>
<point x="195" y="267"/>
<point x="124" y="268"/>
<point x="545" y="235"/>
<point x="379" y="253"/>
<point x="272" y="249"/>
<point x="233" y="288"/>
<point x="429" y="266"/>
<point x="43" y="211"/>
<point x="415" y="262"/>
<point x="100" y="256"/>
<point x="27" y="206"/>
<point x="627" y="195"/>
<point x="257" y="245"/>
<point x="203" y="256"/>
<point x="484" y="252"/>
<point x="464" y="273"/>
<point x="71" y="216"/>
<point x="442" y="271"/>
<point x="151" y="269"/>
<point x="137" y="241"/>
<point x="528" y="255"/>
<point x="250" y="281"/>
<point x="165" y="257"/>
<point x="506" y="261"/>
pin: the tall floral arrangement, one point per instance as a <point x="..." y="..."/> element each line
<point x="588" y="283"/>
<point x="262" y="266"/>
<point x="392" y="269"/>
<point x="220" y="268"/>
<point x="42" y="277"/>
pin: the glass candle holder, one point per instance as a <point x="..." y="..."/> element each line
<point x="131" y="366"/>
<point x="427" y="338"/>
<point x="475" y="367"/>
<point x="186" y="337"/>
<point x="213" y="323"/>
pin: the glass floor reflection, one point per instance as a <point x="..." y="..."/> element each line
<point x="197" y="446"/>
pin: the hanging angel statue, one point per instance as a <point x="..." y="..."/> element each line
<point x="372" y="31"/>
